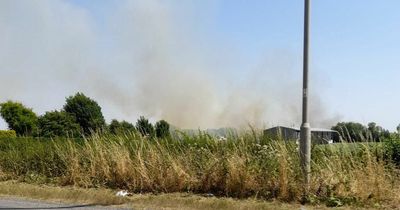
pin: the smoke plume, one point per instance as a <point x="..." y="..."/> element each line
<point x="146" y="59"/>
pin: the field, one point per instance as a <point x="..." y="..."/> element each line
<point x="243" y="166"/>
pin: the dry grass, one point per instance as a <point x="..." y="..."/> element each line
<point x="192" y="202"/>
<point x="183" y="201"/>
<point x="241" y="167"/>
<point x="64" y="194"/>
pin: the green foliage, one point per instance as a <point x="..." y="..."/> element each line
<point x="8" y="134"/>
<point x="351" y="131"/>
<point x="29" y="156"/>
<point x="86" y="111"/>
<point x="123" y="127"/>
<point x="58" y="124"/>
<point x="145" y="127"/>
<point x="356" y="132"/>
<point x="19" y="118"/>
<point x="162" y="129"/>
<point x="376" y="132"/>
<point x="392" y="149"/>
<point x="333" y="202"/>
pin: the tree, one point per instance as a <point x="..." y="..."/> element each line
<point x="374" y="131"/>
<point x="162" y="129"/>
<point x="86" y="111"/>
<point x="55" y="123"/>
<point x="19" y="118"/>
<point x="398" y="128"/>
<point x="377" y="133"/>
<point x="351" y="131"/>
<point x="117" y="127"/>
<point x="145" y="127"/>
<point x="114" y="126"/>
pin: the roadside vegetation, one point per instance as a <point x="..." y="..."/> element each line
<point x="70" y="147"/>
<point x="242" y="166"/>
<point x="101" y="196"/>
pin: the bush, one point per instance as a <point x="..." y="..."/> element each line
<point x="55" y="123"/>
<point x="19" y="118"/>
<point x="392" y="149"/>
<point x="7" y="134"/>
<point x="86" y="111"/>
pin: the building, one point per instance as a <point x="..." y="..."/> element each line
<point x="318" y="135"/>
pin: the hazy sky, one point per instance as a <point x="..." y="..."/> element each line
<point x="204" y="63"/>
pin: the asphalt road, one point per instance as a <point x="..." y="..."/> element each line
<point x="19" y="203"/>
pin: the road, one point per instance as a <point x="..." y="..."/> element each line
<point x="20" y="203"/>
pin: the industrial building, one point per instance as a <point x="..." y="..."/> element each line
<point x="318" y="135"/>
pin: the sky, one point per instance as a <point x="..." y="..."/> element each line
<point x="204" y="64"/>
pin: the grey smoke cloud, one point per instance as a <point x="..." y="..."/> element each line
<point x="145" y="60"/>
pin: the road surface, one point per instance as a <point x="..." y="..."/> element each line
<point x="20" y="203"/>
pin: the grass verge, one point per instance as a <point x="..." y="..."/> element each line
<point x="62" y="194"/>
<point x="107" y="197"/>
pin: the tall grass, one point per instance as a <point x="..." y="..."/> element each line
<point x="242" y="166"/>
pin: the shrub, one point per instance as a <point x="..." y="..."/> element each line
<point x="86" y="111"/>
<point x="19" y="118"/>
<point x="7" y="134"/>
<point x="392" y="149"/>
<point x="55" y="123"/>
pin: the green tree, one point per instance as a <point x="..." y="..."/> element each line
<point x="86" y="111"/>
<point x="162" y="129"/>
<point x="145" y="127"/>
<point x="351" y="131"/>
<point x="114" y="126"/>
<point x="58" y="123"/>
<point x="117" y="127"/>
<point x="377" y="133"/>
<point x="19" y="118"/>
<point x="374" y="131"/>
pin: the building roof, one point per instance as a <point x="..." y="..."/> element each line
<point x="312" y="129"/>
<point x="322" y="130"/>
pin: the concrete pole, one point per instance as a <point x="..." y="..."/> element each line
<point x="305" y="130"/>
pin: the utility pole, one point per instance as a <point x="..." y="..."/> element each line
<point x="305" y="130"/>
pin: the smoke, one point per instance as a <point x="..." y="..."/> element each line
<point x="145" y="59"/>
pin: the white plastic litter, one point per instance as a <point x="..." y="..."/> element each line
<point x="123" y="193"/>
